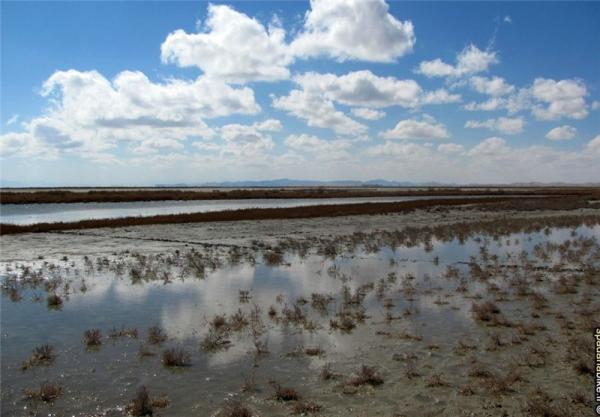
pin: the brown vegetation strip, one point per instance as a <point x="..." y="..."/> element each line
<point x="251" y="214"/>
<point x="96" y="196"/>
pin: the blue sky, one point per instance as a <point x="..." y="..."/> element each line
<point x="114" y="93"/>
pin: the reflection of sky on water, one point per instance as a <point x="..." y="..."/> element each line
<point x="71" y="212"/>
<point x="183" y="308"/>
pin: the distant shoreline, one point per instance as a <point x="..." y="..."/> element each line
<point x="115" y="195"/>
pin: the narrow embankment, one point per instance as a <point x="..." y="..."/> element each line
<point x="120" y="196"/>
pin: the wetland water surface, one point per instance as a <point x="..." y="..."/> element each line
<point x="253" y="318"/>
<point x="24" y="214"/>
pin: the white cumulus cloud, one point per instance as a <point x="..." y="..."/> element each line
<point x="242" y="141"/>
<point x="411" y="129"/>
<point x="507" y="125"/>
<point x="400" y="150"/>
<point x="493" y="147"/>
<point x="565" y="132"/>
<point x="320" y="148"/>
<point x="367" y="114"/>
<point x="90" y="113"/>
<point x="470" y="60"/>
<point x="546" y="99"/>
<point x="564" y="98"/>
<point x="318" y="112"/>
<point x="363" y="88"/>
<point x="450" y="148"/>
<point x="353" y="30"/>
<point x="495" y="86"/>
<point x="233" y="47"/>
<point x="594" y="144"/>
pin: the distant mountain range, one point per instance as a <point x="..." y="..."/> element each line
<point x="285" y="182"/>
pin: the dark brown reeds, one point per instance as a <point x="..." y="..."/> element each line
<point x="154" y="194"/>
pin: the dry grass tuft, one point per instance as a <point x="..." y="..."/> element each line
<point x="156" y="335"/>
<point x="238" y="321"/>
<point x="41" y="355"/>
<point x="345" y="323"/>
<point x="503" y="384"/>
<point x="176" y="357"/>
<point x="123" y="332"/>
<point x="314" y="351"/>
<point x="238" y="410"/>
<point x="92" y="338"/>
<point x="54" y="301"/>
<point x="366" y="375"/>
<point x="285" y="393"/>
<point x="143" y="404"/>
<point x="306" y="407"/>
<point x="485" y="311"/>
<point x="47" y="392"/>
<point x="540" y="404"/>
<point x="214" y="341"/>
<point x="436" y="380"/>
<point x="326" y="373"/>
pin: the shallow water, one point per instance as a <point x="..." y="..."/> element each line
<point x="24" y="214"/>
<point x="101" y="294"/>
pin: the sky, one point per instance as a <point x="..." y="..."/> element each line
<point x="145" y="93"/>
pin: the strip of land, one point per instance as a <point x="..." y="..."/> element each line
<point x="115" y="195"/>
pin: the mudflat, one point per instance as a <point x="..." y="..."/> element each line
<point x="452" y="311"/>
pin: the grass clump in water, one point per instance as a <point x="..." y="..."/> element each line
<point x="176" y="357"/>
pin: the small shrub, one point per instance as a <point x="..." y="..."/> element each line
<point x="345" y="324"/>
<point x="485" y="311"/>
<point x="218" y="322"/>
<point x="176" y="357"/>
<point x="285" y="393"/>
<point x="326" y="373"/>
<point x="123" y="332"/>
<point x="141" y="404"/>
<point x="502" y="384"/>
<point x="365" y="376"/>
<point x="306" y="407"/>
<point x="92" y="338"/>
<point x="273" y="258"/>
<point x="47" y="392"/>
<point x="41" y="355"/>
<point x="156" y="335"/>
<point x="214" y="340"/>
<point x="479" y="370"/>
<point x="238" y="410"/>
<point x="54" y="301"/>
<point x="436" y="380"/>
<point x="238" y="321"/>
<point x="314" y="351"/>
<point x="320" y="301"/>
<point x="540" y="404"/>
